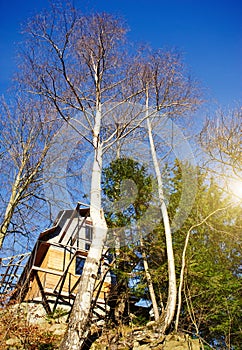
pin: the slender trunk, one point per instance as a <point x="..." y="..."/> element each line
<point x="149" y="282"/>
<point x="183" y="265"/>
<point x="6" y="220"/>
<point x="80" y="318"/>
<point x="172" y="290"/>
<point x="20" y="187"/>
<point x="181" y="279"/>
<point x="9" y="210"/>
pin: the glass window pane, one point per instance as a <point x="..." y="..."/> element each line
<point x="79" y="265"/>
<point x="89" y="233"/>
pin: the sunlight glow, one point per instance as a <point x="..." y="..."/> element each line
<point x="235" y="188"/>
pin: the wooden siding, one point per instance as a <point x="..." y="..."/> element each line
<point x="50" y="274"/>
<point x="50" y="271"/>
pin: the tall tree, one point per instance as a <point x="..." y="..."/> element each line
<point x="212" y="271"/>
<point x="169" y="88"/>
<point x="78" y="63"/>
<point x="211" y="288"/>
<point x="126" y="208"/>
<point x="221" y="141"/>
<point x="26" y="138"/>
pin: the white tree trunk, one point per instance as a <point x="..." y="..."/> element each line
<point x="23" y="180"/>
<point x="8" y="213"/>
<point x="172" y="290"/>
<point x="149" y="282"/>
<point x="80" y="318"/>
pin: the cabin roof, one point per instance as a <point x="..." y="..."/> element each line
<point x="62" y="217"/>
<point x="53" y="236"/>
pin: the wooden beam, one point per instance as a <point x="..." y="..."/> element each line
<point x="52" y="272"/>
<point x="62" y="280"/>
<point x="42" y="292"/>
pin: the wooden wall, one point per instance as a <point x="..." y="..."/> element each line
<point x="55" y="262"/>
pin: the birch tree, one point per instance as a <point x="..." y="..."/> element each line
<point x="173" y="93"/>
<point x="25" y="140"/>
<point x="78" y="63"/>
<point x="81" y="65"/>
<point x="220" y="139"/>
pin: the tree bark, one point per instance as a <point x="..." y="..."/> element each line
<point x="172" y="289"/>
<point x="80" y="318"/>
<point x="25" y="175"/>
<point x="149" y="282"/>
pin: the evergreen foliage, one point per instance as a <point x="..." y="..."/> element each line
<point x="212" y="287"/>
<point x="128" y="187"/>
<point x="211" y="293"/>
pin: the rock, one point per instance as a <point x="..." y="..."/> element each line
<point x="150" y="324"/>
<point x="195" y="344"/>
<point x="59" y="332"/>
<point x="57" y="329"/>
<point x="181" y="343"/>
<point x="56" y="326"/>
<point x="158" y="342"/>
<point x="135" y="345"/>
<point x="13" y="342"/>
<point x="142" y="347"/>
<point x="144" y="338"/>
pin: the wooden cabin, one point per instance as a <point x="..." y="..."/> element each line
<point x="54" y="268"/>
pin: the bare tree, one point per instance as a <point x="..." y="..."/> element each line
<point x="78" y="63"/>
<point x="168" y="87"/>
<point x="25" y="141"/>
<point x="221" y="140"/>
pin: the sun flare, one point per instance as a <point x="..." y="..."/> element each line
<point x="235" y="188"/>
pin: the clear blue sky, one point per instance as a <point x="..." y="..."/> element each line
<point x="209" y="32"/>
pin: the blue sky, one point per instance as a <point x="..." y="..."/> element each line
<point x="208" y="32"/>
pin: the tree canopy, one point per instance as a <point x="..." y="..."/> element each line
<point x="79" y="70"/>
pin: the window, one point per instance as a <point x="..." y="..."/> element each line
<point x="87" y="246"/>
<point x="89" y="233"/>
<point x="79" y="265"/>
